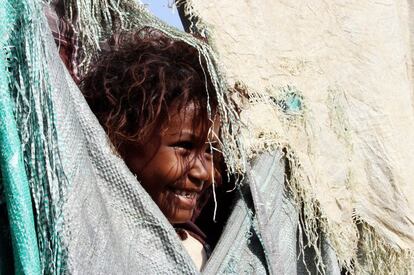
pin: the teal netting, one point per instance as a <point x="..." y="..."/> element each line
<point x="28" y="130"/>
<point x="14" y="179"/>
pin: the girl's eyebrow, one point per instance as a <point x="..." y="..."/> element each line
<point x="189" y="134"/>
<point x="184" y="133"/>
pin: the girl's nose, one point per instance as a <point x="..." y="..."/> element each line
<point x="200" y="170"/>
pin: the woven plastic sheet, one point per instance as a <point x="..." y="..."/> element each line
<point x="332" y="83"/>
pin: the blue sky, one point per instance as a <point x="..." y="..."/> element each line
<point x="165" y="10"/>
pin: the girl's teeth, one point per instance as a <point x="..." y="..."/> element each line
<point x="185" y="194"/>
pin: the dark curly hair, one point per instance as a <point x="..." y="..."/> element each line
<point x="132" y="86"/>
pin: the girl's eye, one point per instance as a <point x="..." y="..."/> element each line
<point x="209" y="150"/>
<point x="187" y="145"/>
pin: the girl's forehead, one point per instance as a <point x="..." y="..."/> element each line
<point x="189" y="121"/>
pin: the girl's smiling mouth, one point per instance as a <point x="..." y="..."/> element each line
<point x="185" y="198"/>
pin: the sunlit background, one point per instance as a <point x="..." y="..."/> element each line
<point x="165" y="10"/>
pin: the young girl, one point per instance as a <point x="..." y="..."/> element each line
<point x="159" y="109"/>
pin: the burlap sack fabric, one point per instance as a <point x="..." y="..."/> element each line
<point x="339" y="77"/>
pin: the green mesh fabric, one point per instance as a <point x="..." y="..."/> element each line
<point x="29" y="89"/>
<point x="14" y="181"/>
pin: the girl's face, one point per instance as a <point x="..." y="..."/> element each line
<point x="176" y="165"/>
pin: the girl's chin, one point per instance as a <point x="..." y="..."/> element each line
<point x="180" y="216"/>
<point x="177" y="209"/>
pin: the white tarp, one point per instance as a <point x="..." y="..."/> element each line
<point x="349" y="63"/>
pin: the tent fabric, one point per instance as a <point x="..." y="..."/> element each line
<point x="330" y="82"/>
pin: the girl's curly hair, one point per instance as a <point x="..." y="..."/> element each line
<point x="132" y="86"/>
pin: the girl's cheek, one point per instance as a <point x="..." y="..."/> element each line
<point x="211" y="170"/>
<point x="217" y="176"/>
